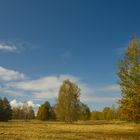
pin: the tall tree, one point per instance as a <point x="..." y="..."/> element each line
<point x="68" y="102"/>
<point x="129" y="80"/>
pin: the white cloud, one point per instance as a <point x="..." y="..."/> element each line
<point x="111" y="88"/>
<point x="15" y="46"/>
<point x="45" y="87"/>
<point x="31" y="103"/>
<point x="101" y="99"/>
<point x="8" y="48"/>
<point x="15" y="103"/>
<point x="10" y="75"/>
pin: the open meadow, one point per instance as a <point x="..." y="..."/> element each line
<point x="93" y="130"/>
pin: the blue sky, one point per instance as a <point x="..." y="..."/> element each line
<point x="44" y="42"/>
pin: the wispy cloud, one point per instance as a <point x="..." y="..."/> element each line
<point x="10" y="75"/>
<point x="15" y="46"/>
<point x="8" y="48"/>
<point x="102" y="99"/>
<point x="110" y="88"/>
<point x="45" y="87"/>
<point x="101" y="94"/>
<point x="42" y="84"/>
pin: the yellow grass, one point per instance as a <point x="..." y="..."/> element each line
<point x="91" y="130"/>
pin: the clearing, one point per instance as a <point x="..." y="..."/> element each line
<point x="90" y="130"/>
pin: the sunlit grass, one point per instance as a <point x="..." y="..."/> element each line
<point x="94" y="130"/>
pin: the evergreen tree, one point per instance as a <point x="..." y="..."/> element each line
<point x="5" y="110"/>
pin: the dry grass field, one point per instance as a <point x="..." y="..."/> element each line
<point x="91" y="130"/>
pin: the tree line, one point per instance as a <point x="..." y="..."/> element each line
<point x="21" y="112"/>
<point x="69" y="108"/>
<point x="47" y="112"/>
